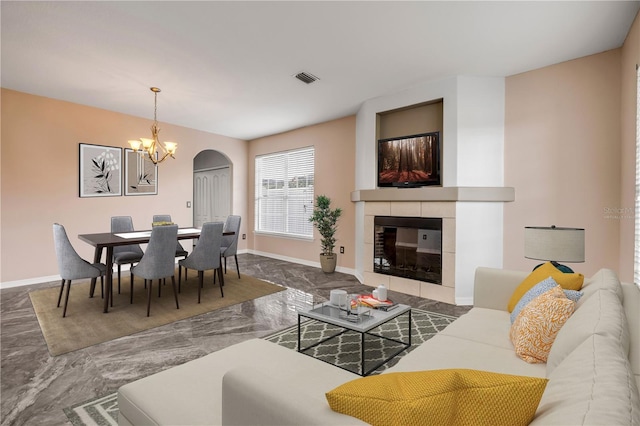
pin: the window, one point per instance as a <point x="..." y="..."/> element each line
<point x="284" y="193"/>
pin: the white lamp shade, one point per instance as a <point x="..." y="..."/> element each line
<point x="555" y="244"/>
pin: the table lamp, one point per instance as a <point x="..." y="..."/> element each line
<point x="554" y="244"/>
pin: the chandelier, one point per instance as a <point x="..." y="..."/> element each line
<point x="152" y="147"/>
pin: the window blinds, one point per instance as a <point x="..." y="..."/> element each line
<point x="284" y="192"/>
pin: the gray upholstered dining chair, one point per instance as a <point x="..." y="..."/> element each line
<point x="180" y="251"/>
<point x="205" y="254"/>
<point x="124" y="255"/>
<point x="230" y="242"/>
<point x="71" y="266"/>
<point x="158" y="261"/>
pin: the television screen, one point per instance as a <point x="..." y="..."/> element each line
<point x="409" y="161"/>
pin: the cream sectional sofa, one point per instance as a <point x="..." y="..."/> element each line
<point x="593" y="367"/>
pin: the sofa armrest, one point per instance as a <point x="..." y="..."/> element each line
<point x="493" y="287"/>
<point x="250" y="396"/>
<point x="631" y="306"/>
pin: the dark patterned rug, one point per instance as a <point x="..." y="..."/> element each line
<point x="101" y="411"/>
<point x="343" y="351"/>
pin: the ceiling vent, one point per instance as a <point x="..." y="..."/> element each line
<point x="306" y="77"/>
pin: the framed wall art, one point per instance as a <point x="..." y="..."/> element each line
<point x="140" y="174"/>
<point x="100" y="171"/>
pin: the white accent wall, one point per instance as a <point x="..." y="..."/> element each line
<point x="472" y="155"/>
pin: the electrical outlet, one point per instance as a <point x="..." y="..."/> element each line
<point x="424" y="236"/>
<point x="342" y="249"/>
<point x="244" y="236"/>
<point x="188" y="204"/>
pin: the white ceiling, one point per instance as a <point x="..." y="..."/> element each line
<point x="227" y="67"/>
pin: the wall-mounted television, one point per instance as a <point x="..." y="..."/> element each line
<point x="409" y="161"/>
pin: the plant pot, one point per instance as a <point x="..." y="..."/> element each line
<point x="328" y="262"/>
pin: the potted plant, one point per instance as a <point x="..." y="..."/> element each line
<point x="325" y="220"/>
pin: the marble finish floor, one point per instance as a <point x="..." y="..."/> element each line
<point x="35" y="387"/>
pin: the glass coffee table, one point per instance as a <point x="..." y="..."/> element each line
<point x="365" y="324"/>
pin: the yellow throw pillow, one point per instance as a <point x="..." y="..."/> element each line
<point x="440" y="397"/>
<point x="536" y="327"/>
<point x="566" y="281"/>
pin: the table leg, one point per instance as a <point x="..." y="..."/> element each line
<point x="109" y="279"/>
<point x="299" y="347"/>
<point x="362" y="354"/>
<point x="410" y="328"/>
<point x="97" y="255"/>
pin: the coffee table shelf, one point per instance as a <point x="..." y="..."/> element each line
<point x="364" y="324"/>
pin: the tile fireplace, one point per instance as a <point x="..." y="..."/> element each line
<point x="469" y="221"/>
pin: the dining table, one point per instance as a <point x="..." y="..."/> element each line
<point x="110" y="240"/>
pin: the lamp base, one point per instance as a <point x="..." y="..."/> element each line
<point x="562" y="268"/>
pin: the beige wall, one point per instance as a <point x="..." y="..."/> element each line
<point x="630" y="58"/>
<point x="40" y="138"/>
<point x="334" y="143"/>
<point x="569" y="152"/>
<point x="562" y="155"/>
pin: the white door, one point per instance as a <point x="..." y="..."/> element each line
<point x="211" y="196"/>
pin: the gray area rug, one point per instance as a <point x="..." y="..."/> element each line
<point x="101" y="411"/>
<point x="342" y="350"/>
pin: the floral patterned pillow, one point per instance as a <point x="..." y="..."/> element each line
<point x="536" y="327"/>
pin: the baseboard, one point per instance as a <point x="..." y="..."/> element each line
<point x="40" y="280"/>
<point x="305" y="262"/>
<point x="464" y="301"/>
<point x="29" y="281"/>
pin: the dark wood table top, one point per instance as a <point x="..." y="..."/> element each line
<point x="107" y="239"/>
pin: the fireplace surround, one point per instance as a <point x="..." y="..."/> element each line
<point x="471" y="222"/>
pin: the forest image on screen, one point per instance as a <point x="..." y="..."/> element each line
<point x="409" y="161"/>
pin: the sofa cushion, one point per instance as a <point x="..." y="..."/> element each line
<point x="601" y="314"/>
<point x="537" y="290"/>
<point x="603" y="279"/>
<point x="442" y="352"/>
<point x="488" y="326"/>
<point x="566" y="281"/>
<point x="259" y="394"/>
<point x="191" y="393"/>
<point x="439" y="397"/>
<point x="593" y="385"/>
<point x="536" y="327"/>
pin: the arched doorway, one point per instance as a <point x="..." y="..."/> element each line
<point x="211" y="187"/>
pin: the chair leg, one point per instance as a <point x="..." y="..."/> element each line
<point x="235" y="256"/>
<point x="131" y="291"/>
<point x="179" y="278"/>
<point x="66" y="299"/>
<point x="221" y="280"/>
<point x="200" y="283"/>
<point x="149" y="296"/>
<point x="175" y="293"/>
<point x="60" y="295"/>
<point x="119" y="268"/>
<point x="225" y="264"/>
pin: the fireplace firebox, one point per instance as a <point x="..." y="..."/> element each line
<point x="408" y="247"/>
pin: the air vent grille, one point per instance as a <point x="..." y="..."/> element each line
<point x="306" y="77"/>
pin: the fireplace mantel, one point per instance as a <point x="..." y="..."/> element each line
<point x="431" y="193"/>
